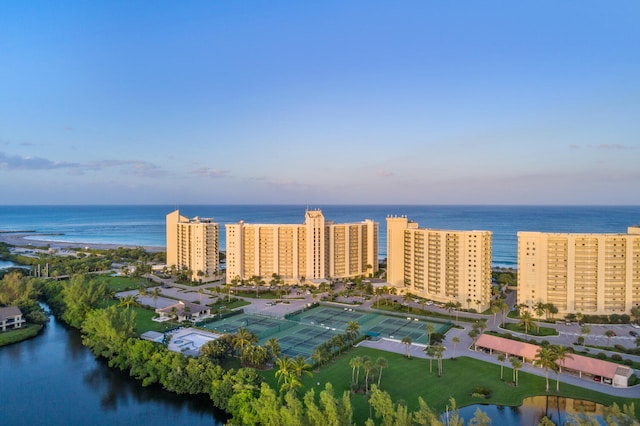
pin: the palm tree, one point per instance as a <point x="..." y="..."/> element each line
<point x="516" y="364"/>
<point x="355" y="362"/>
<point x="407" y="341"/>
<point x="128" y="301"/>
<point x="561" y="353"/>
<point x="273" y="347"/>
<point x="243" y="337"/>
<point x="546" y="359"/>
<point x="369" y="369"/>
<point x="431" y="353"/>
<point x="430" y="330"/>
<point x="455" y="340"/>
<point x="585" y="329"/>
<point x="469" y="300"/>
<point x="439" y="351"/>
<point x="539" y="309"/>
<point x="283" y="373"/>
<point x="501" y="358"/>
<point x="155" y="294"/>
<point x="450" y="306"/>
<point x="526" y="321"/>
<point x="609" y="334"/>
<point x="352" y="330"/>
<point x="381" y="363"/>
<point x="299" y="367"/>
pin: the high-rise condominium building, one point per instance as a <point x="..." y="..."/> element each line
<point x="315" y="250"/>
<point x="441" y="265"/>
<point x="193" y="244"/>
<point x="595" y="274"/>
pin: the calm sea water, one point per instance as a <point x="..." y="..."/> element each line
<point x="145" y="225"/>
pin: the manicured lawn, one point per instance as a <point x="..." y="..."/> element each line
<point x="407" y="379"/>
<point x="14" y="336"/>
<point x="143" y="319"/>
<point x="533" y="331"/>
<point x="124" y="283"/>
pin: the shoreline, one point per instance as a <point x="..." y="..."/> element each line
<point x="20" y="240"/>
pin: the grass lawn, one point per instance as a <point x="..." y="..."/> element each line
<point x="19" y="334"/>
<point x="143" y="319"/>
<point x="124" y="283"/>
<point x="407" y="379"/>
<point x="222" y="303"/>
<point x="533" y="331"/>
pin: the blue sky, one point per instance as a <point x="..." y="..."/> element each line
<point x="332" y="102"/>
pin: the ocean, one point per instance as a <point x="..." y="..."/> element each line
<point x="144" y="225"/>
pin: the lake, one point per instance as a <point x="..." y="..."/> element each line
<point x="533" y="409"/>
<point x="53" y="379"/>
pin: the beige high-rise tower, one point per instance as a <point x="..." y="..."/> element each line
<point x="441" y="265"/>
<point x="193" y="244"/>
<point x="595" y="274"/>
<point x="315" y="250"/>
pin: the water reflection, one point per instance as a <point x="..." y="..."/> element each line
<point x="61" y="383"/>
<point x="534" y="408"/>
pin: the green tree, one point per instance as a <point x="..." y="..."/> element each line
<point x="609" y="334"/>
<point x="79" y="297"/>
<point x="407" y="342"/>
<point x="455" y="340"/>
<point x="352" y="330"/>
<point x="354" y="363"/>
<point x="431" y="353"/>
<point x="561" y="354"/>
<point x="502" y="358"/>
<point x="381" y="363"/>
<point x="439" y="352"/>
<point x="242" y="338"/>
<point x="106" y="330"/>
<point x="430" y="329"/>
<point x="516" y="364"/>
<point x="546" y="359"/>
<point x="526" y="321"/>
<point x="273" y="347"/>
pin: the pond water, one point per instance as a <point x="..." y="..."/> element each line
<point x="533" y="409"/>
<point x="53" y="379"/>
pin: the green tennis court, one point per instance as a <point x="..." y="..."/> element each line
<point x="301" y="333"/>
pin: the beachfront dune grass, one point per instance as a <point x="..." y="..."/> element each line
<point x="406" y="379"/>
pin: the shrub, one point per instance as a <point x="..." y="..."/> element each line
<point x="628" y="362"/>
<point x="633" y="380"/>
<point x="616" y="357"/>
<point x="601" y="355"/>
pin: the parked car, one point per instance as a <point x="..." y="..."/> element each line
<point x="597" y="378"/>
<point x="633" y="333"/>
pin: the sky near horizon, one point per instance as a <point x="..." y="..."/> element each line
<point x="332" y="102"/>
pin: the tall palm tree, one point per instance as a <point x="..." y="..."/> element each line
<point x="526" y="321"/>
<point x="352" y="330"/>
<point x="501" y="358"/>
<point x="128" y="301"/>
<point x="407" y="341"/>
<point x="561" y="353"/>
<point x="355" y="362"/>
<point x="381" y="363"/>
<point x="439" y="351"/>
<point x="431" y="353"/>
<point x="450" y="306"/>
<point x="273" y="347"/>
<point x="243" y="337"/>
<point x="155" y="294"/>
<point x="283" y="372"/>
<point x="546" y="359"/>
<point x="430" y="330"/>
<point x="300" y="367"/>
<point x="455" y="340"/>
<point x="516" y="364"/>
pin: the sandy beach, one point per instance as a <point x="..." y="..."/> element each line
<point x="20" y="239"/>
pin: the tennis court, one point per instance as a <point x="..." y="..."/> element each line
<point x="261" y="326"/>
<point x="301" y="333"/>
